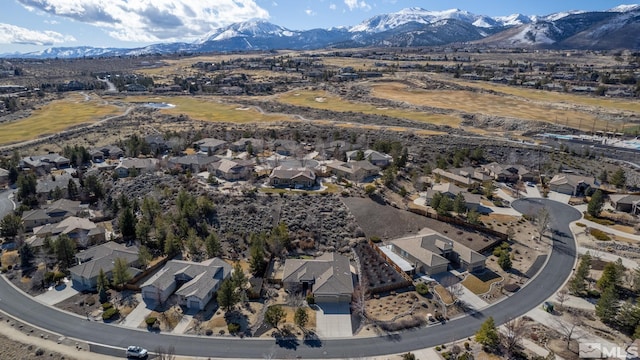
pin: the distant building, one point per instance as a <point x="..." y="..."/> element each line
<point x="298" y="178"/>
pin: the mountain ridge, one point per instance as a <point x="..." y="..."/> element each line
<point x="405" y="28"/>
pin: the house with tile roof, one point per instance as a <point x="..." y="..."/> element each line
<point x="84" y="276"/>
<point x="297" y="178"/>
<point x="327" y="277"/>
<point x="51" y="213"/>
<point x="231" y="170"/>
<point x="83" y="231"/>
<point x="432" y="253"/>
<point x="354" y="171"/>
<point x="193" y="283"/>
<point x="570" y="184"/>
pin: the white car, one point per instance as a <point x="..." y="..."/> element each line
<point x="137" y="352"/>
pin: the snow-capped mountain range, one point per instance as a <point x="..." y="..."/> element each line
<point x="608" y="29"/>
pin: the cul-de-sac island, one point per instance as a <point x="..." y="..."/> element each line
<point x="424" y="185"/>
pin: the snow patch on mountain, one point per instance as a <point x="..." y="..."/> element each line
<point x="625" y="8"/>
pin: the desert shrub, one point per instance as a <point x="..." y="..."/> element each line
<point x="150" y="320"/>
<point x="91" y="300"/>
<point x="208" y="332"/>
<point x="233" y="328"/>
<point x="438" y="348"/>
<point x="375" y="239"/>
<point x="598" y="220"/>
<point x="310" y="299"/>
<point x="401" y="324"/>
<point x="369" y="189"/>
<point x="107" y="305"/>
<point x="422" y="289"/>
<point x="599" y="234"/>
<point x="581" y="224"/>
<point x="109" y="313"/>
<point x="466" y="345"/>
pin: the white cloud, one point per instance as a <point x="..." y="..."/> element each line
<point x="152" y="20"/>
<point x="11" y="34"/>
<point x="357" y="4"/>
<point x="310" y="12"/>
<point x="332" y="6"/>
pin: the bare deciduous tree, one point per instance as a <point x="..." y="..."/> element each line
<point x="166" y="354"/>
<point x="568" y="326"/>
<point x="514" y="331"/>
<point x="562" y="296"/>
<point x="542" y="219"/>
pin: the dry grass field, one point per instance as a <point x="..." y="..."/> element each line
<point x="489" y="104"/>
<point x="56" y="116"/>
<point x="210" y="109"/>
<point x="555" y="97"/>
<point x="326" y="101"/>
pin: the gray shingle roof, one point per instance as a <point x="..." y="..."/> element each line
<point x="331" y="273"/>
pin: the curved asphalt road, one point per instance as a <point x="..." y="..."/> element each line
<point x="550" y="278"/>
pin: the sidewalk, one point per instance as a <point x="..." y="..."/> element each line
<point x="603" y="255"/>
<point x="610" y="230"/>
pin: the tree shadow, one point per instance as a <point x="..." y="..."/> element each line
<point x="311" y="339"/>
<point x="286" y="340"/>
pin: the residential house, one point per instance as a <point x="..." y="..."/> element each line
<point x="231" y="170"/>
<point x="285" y="147"/>
<point x="51" y="214"/>
<point x="510" y="173"/>
<point x="374" y="157"/>
<point x="193" y="283"/>
<point x="106" y="152"/>
<point x="353" y="171"/>
<point x="49" y="185"/>
<point x="195" y="163"/>
<point x="458" y="178"/>
<point x="327" y="277"/>
<point x="624" y="202"/>
<point x="432" y="253"/>
<point x="210" y="145"/>
<point x="450" y="190"/>
<point x="83" y="231"/>
<point x="84" y="276"/>
<point x="4" y="177"/>
<point x="258" y="145"/>
<point x="298" y="178"/>
<point x="43" y="164"/>
<point x="337" y="149"/>
<point x="570" y="184"/>
<point x="129" y="166"/>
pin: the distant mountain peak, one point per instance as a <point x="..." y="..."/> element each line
<point x="625" y="8"/>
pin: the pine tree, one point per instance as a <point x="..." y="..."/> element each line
<point x="505" y="261"/>
<point x="459" y="204"/>
<point x="611" y="276"/>
<point x="227" y="296"/>
<point x="577" y="284"/>
<point x="596" y="203"/>
<point x="619" y="178"/>
<point x="120" y="272"/>
<point x="607" y="306"/>
<point x="212" y="244"/>
<point x="487" y="335"/>
<point x="101" y="286"/>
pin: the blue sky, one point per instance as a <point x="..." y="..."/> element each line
<point x="28" y="25"/>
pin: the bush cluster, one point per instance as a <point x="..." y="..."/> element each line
<point x="599" y="234"/>
<point x="150" y="320"/>
<point x="233" y="328"/>
<point x="109" y="313"/>
<point x="422" y="289"/>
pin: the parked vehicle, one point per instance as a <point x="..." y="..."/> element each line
<point x="137" y="352"/>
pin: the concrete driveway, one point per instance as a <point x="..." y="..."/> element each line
<point x="137" y="315"/>
<point x="333" y="320"/>
<point x="57" y="294"/>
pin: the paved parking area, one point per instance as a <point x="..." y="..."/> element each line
<point x="333" y="320"/>
<point x="57" y="294"/>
